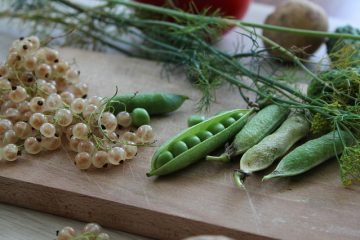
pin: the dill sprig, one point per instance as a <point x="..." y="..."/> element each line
<point x="183" y="40"/>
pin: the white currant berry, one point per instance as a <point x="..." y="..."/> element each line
<point x="72" y="76"/>
<point x="108" y="120"/>
<point x="51" y="143"/>
<point x="145" y="134"/>
<point x="67" y="97"/>
<point x="116" y="155"/>
<point x="92" y="228"/>
<point x="130" y="150"/>
<point x="5" y="85"/>
<point x="53" y="102"/>
<point x="129" y="137"/>
<point x="3" y="71"/>
<point x="48" y="130"/>
<point x="8" y="104"/>
<point x="89" y="111"/>
<point x="100" y="159"/>
<point x="61" y="84"/>
<point x="30" y="63"/>
<point x="63" y="117"/>
<point x="37" y="119"/>
<point x="78" y="105"/>
<point x="60" y="68"/>
<point x="83" y="160"/>
<point x="80" y="131"/>
<point x="14" y="59"/>
<point x="22" y="129"/>
<point x="103" y="236"/>
<point x="10" y="152"/>
<point x="24" y="107"/>
<point x="112" y="136"/>
<point x="51" y="56"/>
<point x="43" y="71"/>
<point x="25" y="47"/>
<point x="47" y="89"/>
<point x="12" y="114"/>
<point x="74" y="143"/>
<point x="34" y="41"/>
<point x="124" y="119"/>
<point x="32" y="145"/>
<point x="37" y="104"/>
<point x="67" y="233"/>
<point x="80" y="90"/>
<point x="5" y="125"/>
<point x="18" y="94"/>
<point x="94" y="100"/>
<point x="86" y="146"/>
<point x="10" y="137"/>
<point x="68" y="132"/>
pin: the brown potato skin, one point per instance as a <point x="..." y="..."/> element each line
<point x="296" y="14"/>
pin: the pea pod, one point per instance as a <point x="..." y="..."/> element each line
<point x="154" y="103"/>
<point x="311" y="154"/>
<point x="272" y="147"/>
<point x="261" y="125"/>
<point x="201" y="144"/>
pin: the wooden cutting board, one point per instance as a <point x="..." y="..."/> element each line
<point x="201" y="199"/>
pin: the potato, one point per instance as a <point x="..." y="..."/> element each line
<point x="296" y="14"/>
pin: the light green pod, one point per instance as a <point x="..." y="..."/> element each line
<point x="276" y="145"/>
<point x="200" y="150"/>
<point x="311" y="154"/>
<point x="262" y="124"/>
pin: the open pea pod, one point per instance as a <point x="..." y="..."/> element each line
<point x="194" y="143"/>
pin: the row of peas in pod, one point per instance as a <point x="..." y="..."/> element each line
<point x="260" y="140"/>
<point x="44" y="105"/>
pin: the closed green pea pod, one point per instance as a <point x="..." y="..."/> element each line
<point x="200" y="150"/>
<point x="154" y="103"/>
<point x="311" y="154"/>
<point x="262" y="124"/>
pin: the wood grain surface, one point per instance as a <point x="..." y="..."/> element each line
<point x="198" y="200"/>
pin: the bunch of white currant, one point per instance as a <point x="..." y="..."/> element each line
<point x="44" y="105"/>
<point x="91" y="231"/>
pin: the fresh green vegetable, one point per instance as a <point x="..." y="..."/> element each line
<point x="261" y="125"/>
<point x="311" y="154"/>
<point x="183" y="155"/>
<point x="195" y="119"/>
<point x="345" y="51"/>
<point x="154" y="103"/>
<point x="274" y="146"/>
<point x="140" y="116"/>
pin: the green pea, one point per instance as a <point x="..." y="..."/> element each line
<point x="186" y="147"/>
<point x="164" y="158"/>
<point x="195" y="119"/>
<point x="178" y="148"/>
<point x="140" y="117"/>
<point x="238" y="116"/>
<point x="227" y="122"/>
<point x="216" y="128"/>
<point x="192" y="141"/>
<point x="204" y="135"/>
<point x="154" y="103"/>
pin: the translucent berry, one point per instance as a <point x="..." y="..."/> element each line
<point x="80" y="90"/>
<point x="37" y="104"/>
<point x="5" y="125"/>
<point x="61" y="84"/>
<point x="124" y="119"/>
<point x="92" y="228"/>
<point x="80" y="131"/>
<point x="89" y="111"/>
<point x="3" y="71"/>
<point x="99" y="159"/>
<point x="83" y="160"/>
<point x="14" y="59"/>
<point x="103" y="236"/>
<point x="27" y="78"/>
<point x="61" y="68"/>
<point x="12" y="114"/>
<point x="10" y="152"/>
<point x="72" y="76"/>
<point x="86" y="146"/>
<point x="94" y="100"/>
<point x="67" y="97"/>
<point x="32" y="145"/>
<point x="22" y="129"/>
<point x="53" y="102"/>
<point x="18" y="94"/>
<point x="25" y="47"/>
<point x="43" y="71"/>
<point x="129" y="137"/>
<point x="130" y="150"/>
<point x="10" y="137"/>
<point x="67" y="233"/>
<point x="112" y="136"/>
<point x="78" y="105"/>
<point x="37" y="119"/>
<point x="47" y="89"/>
<point x="74" y="143"/>
<point x="51" y="56"/>
<point x="117" y="155"/>
<point x="63" y="117"/>
<point x="48" y="130"/>
<point x="51" y="143"/>
<point x="24" y="107"/>
<point x="35" y="42"/>
<point x="108" y="120"/>
<point x="30" y="63"/>
<point x="5" y="85"/>
<point x="145" y="134"/>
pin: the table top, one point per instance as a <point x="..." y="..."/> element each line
<point x="18" y="223"/>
